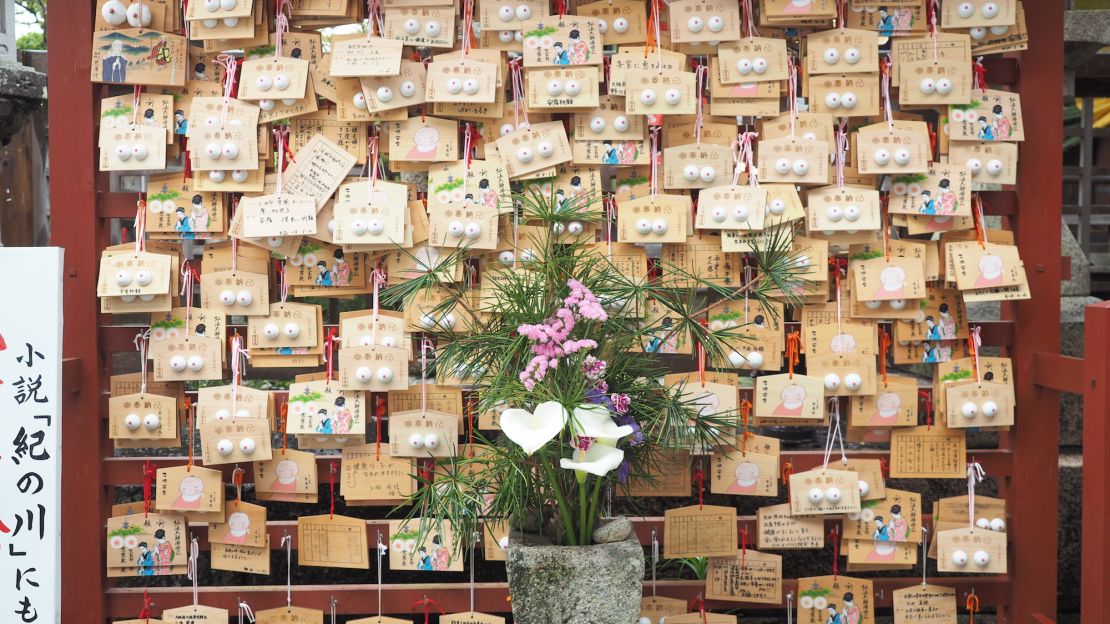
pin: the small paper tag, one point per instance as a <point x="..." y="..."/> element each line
<point x="848" y="95"/>
<point x="838" y="492"/>
<point x="278" y="215"/>
<point x="189" y="489"/>
<point x="882" y="279"/>
<point x="974" y="404"/>
<point x="778" y="529"/>
<point x="927" y="604"/>
<point x="633" y="28"/>
<point x="288" y="473"/>
<point x="235" y="292"/>
<point x="289" y="615"/>
<point x="895" y="151"/>
<point x="657" y="218"/>
<point x="706" y="531"/>
<point x="928" y="453"/>
<point x="928" y="83"/>
<point x="569" y="40"/>
<point x="133" y="274"/>
<point x="235" y="440"/>
<point x="461" y="81"/>
<point x="147" y="544"/>
<point x="849" y="209"/>
<point x="985" y="266"/>
<point x="424" y="544"/>
<point x="562" y="88"/>
<point x="332" y="541"/>
<point x="893" y="405"/>
<point x="423" y="434"/>
<point x="991" y="116"/>
<point x="532" y="149"/>
<point x="142" y="417"/>
<point x="847" y="598"/>
<point x="750" y="576"/>
<point x="731" y="208"/>
<point x="1001" y="13"/>
<point x="245" y="526"/>
<point x="366" y="56"/>
<point x="795" y="161"/>
<point x="426" y="26"/>
<point x="654" y="92"/>
<point x="277" y="78"/>
<point x="785" y="396"/>
<point x="971" y="551"/>
<point x="195" y="614"/>
<point x="895" y="518"/>
<point x="374" y="368"/>
<point x="855" y="372"/>
<point x="366" y="476"/>
<point x="752" y="59"/>
<point x="704" y="20"/>
<point x="750" y="470"/>
<point x="325" y="408"/>
<point x="842" y="51"/>
<point x="196" y="358"/>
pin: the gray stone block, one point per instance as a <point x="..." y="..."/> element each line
<point x="1069" y="531"/>
<point x="599" y="584"/>
<point x="1080" y="282"/>
<point x="612" y="532"/>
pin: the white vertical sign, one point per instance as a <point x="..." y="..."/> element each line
<point x="30" y="433"/>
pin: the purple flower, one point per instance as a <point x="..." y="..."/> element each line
<point x="621" y="402"/>
<point x="594" y="368"/>
<point x="637" y="433"/>
<point x="622" y="471"/>
<point x="583" y="443"/>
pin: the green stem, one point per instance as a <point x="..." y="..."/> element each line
<point x="583" y="536"/>
<point x="564" y="510"/>
<point x="594" y="511"/>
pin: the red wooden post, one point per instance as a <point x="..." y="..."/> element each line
<point x="1095" y="571"/>
<point x="74" y="226"/>
<point x="1035" y="438"/>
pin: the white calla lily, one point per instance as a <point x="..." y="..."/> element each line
<point x="598" y="460"/>
<point x="532" y="430"/>
<point x="594" y="421"/>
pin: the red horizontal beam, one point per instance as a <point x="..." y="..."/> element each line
<point x="643" y="526"/>
<point x="120" y="338"/>
<point x="1059" y="372"/>
<point x="129" y="470"/>
<point x="488" y="597"/>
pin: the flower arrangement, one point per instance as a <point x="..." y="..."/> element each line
<point x="559" y="346"/>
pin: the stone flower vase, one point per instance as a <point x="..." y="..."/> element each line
<point x="599" y="584"/>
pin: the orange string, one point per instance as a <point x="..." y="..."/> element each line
<point x="972" y="606"/>
<point x="237" y="481"/>
<point x="980" y="229"/>
<point x="884" y="348"/>
<point x="745" y="417"/>
<point x="793" y="347"/>
<point x="787" y="470"/>
<point x="651" y="42"/>
<point x="282" y="426"/>
<point x="973" y="353"/>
